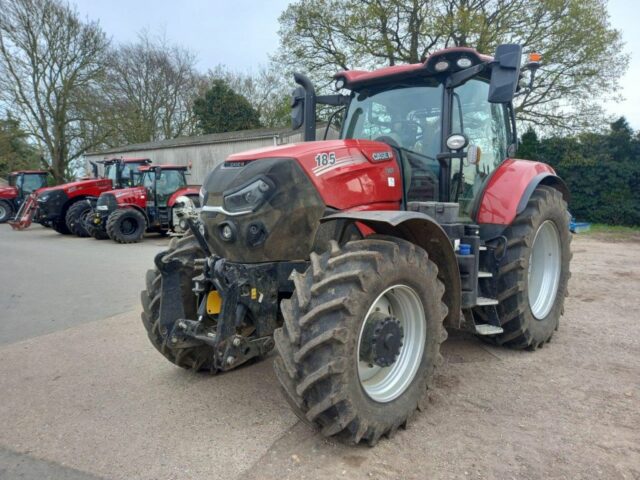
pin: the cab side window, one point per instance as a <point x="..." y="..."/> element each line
<point x="487" y="126"/>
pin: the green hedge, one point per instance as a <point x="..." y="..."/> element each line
<point x="601" y="170"/>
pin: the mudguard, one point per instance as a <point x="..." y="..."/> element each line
<point x="510" y="187"/>
<point x="424" y="231"/>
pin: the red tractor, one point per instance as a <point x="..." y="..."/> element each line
<point x="21" y="184"/>
<point x="64" y="206"/>
<point x="152" y="206"/>
<point x="353" y="257"/>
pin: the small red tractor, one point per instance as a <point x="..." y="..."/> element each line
<point x="21" y="184"/>
<point x="353" y="257"/>
<point x="64" y="206"/>
<point x="155" y="205"/>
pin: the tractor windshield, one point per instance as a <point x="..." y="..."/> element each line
<point x="129" y="174"/>
<point x="166" y="185"/>
<point x="407" y="117"/>
<point x="32" y="182"/>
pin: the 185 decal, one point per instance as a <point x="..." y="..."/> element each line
<point x="324" y="159"/>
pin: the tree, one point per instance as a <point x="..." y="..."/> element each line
<point x="268" y="92"/>
<point x="601" y="170"/>
<point x="151" y="86"/>
<point x="221" y="109"/>
<point x="51" y="66"/>
<point x="582" y="54"/>
<point x="16" y="153"/>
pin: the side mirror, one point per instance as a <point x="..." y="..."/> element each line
<point x="297" y="108"/>
<point x="505" y="73"/>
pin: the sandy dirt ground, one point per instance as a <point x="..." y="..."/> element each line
<point x="94" y="400"/>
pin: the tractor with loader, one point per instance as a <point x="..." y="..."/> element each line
<point x="353" y="257"/>
<point x="63" y="207"/>
<point x="22" y="183"/>
<point x="154" y="205"/>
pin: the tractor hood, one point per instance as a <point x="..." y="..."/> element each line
<point x="266" y="204"/>
<point x="92" y="187"/>
<point x="8" y="193"/>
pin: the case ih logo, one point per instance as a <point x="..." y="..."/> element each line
<point x="379" y="156"/>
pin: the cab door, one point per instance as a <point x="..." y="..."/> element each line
<point x="486" y="125"/>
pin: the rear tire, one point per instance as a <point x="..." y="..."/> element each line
<point x="320" y="365"/>
<point x="6" y="211"/>
<point x="75" y="218"/>
<point x="198" y="358"/>
<point x="126" y="225"/>
<point x="529" y="316"/>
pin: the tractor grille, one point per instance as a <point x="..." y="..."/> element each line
<point x="107" y="200"/>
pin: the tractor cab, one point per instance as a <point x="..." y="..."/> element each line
<point x="27" y="181"/>
<point x="162" y="182"/>
<point x="456" y="93"/>
<point x="123" y="172"/>
<point x="21" y="184"/>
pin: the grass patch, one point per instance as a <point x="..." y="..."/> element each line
<point x="613" y="232"/>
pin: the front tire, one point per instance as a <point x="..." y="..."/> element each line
<point x="96" y="231"/>
<point x="328" y="375"/>
<point x="6" y="211"/>
<point x="199" y="358"/>
<point x="533" y="278"/>
<point x="126" y="225"/>
<point x="75" y="218"/>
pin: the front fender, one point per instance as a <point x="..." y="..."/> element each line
<point x="510" y="187"/>
<point x="425" y="232"/>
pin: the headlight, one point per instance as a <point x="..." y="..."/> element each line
<point x="44" y="197"/>
<point x="250" y="197"/>
<point x="102" y="207"/>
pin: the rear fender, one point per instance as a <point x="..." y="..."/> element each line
<point x="187" y="192"/>
<point x="425" y="232"/>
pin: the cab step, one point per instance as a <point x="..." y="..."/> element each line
<point x="487" y="329"/>
<point x="486" y="302"/>
<point x="482" y="274"/>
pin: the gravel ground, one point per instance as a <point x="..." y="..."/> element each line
<point x="94" y="400"/>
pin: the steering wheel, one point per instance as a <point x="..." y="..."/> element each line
<point x="388" y="140"/>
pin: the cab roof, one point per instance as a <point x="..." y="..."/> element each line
<point x="125" y="160"/>
<point x="146" y="168"/>
<point x="355" y="79"/>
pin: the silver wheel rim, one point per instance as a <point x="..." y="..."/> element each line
<point x="544" y="270"/>
<point x="384" y="384"/>
<point x="3" y="212"/>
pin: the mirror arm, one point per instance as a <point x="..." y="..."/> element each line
<point x="458" y="78"/>
<point x="335" y="100"/>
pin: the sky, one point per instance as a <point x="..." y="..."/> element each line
<point x="242" y="33"/>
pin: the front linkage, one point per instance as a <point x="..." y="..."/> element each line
<point x="244" y="321"/>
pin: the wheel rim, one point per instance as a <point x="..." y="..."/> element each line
<point x="3" y="212"/>
<point x="544" y="270"/>
<point x="384" y="384"/>
<point x="128" y="226"/>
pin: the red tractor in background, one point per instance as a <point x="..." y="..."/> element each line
<point x="22" y="183"/>
<point x="353" y="257"/>
<point x="152" y="206"/>
<point x="64" y="206"/>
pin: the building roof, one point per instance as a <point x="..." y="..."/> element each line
<point x="211" y="138"/>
